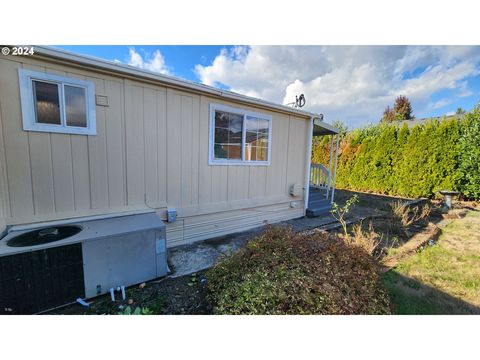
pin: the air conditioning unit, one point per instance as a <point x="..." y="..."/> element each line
<point x="54" y="265"/>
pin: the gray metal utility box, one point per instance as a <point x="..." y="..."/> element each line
<point x="126" y="251"/>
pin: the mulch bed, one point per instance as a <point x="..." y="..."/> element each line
<point x="183" y="295"/>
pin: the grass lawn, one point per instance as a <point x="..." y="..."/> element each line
<point x="443" y="278"/>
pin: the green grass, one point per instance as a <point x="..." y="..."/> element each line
<point x="444" y="278"/>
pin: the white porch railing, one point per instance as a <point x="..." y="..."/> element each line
<point x="320" y="176"/>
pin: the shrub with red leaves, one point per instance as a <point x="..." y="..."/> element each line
<point x="282" y="272"/>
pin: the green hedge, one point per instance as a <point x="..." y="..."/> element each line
<point x="395" y="160"/>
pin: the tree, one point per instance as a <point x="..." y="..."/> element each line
<point x="402" y="108"/>
<point x="388" y="115"/>
<point x="469" y="145"/>
<point x="460" y="111"/>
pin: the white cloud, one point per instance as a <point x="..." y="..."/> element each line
<point x="352" y="83"/>
<point x="153" y="62"/>
<point x="440" y="103"/>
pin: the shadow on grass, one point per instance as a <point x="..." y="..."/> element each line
<point x="411" y="297"/>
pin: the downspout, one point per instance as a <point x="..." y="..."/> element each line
<point x="309" y="163"/>
<point x="335" y="168"/>
<point x="330" y="167"/>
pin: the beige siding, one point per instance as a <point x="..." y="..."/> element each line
<point x="150" y="151"/>
<point x="4" y="200"/>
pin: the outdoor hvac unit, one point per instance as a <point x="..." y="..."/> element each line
<point x="44" y="268"/>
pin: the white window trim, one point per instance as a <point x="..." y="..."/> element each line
<point x="244" y="113"/>
<point x="26" y="78"/>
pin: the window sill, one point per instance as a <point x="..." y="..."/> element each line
<point x="238" y="163"/>
<point x="60" y="129"/>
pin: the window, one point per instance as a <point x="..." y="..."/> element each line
<point x="54" y="103"/>
<point x="239" y="137"/>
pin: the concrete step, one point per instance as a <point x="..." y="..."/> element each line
<point x="317" y="197"/>
<point x="317" y="211"/>
<point x="318" y="192"/>
<point x="318" y="203"/>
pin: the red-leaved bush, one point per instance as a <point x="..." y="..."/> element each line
<point x="283" y="272"/>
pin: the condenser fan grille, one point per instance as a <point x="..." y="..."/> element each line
<point x="44" y="236"/>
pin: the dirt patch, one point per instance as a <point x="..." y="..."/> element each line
<point x="419" y="240"/>
<point x="184" y="295"/>
<point x="373" y="203"/>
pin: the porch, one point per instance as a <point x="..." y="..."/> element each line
<point x="321" y="184"/>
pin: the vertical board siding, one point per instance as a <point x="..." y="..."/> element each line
<point x="296" y="158"/>
<point x="41" y="166"/>
<point x="162" y="147"/>
<point x="186" y="149"/>
<point x="204" y="172"/>
<point x="238" y="182"/>
<point x="134" y="128"/>
<point x="4" y="199"/>
<point x="97" y="149"/>
<point x="16" y="142"/>
<point x="114" y="130"/>
<point x="174" y="151"/>
<point x="276" y="177"/>
<point x="42" y="173"/>
<point x="62" y="172"/>
<point x="150" y="151"/>
<point x="81" y="172"/>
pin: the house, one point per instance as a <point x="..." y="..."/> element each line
<point x="124" y="140"/>
<point x="86" y="139"/>
<point x="411" y="123"/>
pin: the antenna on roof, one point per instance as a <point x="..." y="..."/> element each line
<point x="299" y="102"/>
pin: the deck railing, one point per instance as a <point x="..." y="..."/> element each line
<point x="320" y="176"/>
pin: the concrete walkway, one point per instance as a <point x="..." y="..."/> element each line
<point x="188" y="259"/>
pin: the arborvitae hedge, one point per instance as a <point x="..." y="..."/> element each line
<point x="415" y="162"/>
<point x="469" y="158"/>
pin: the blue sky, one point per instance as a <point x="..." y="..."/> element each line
<point x="181" y="59"/>
<point x="350" y="83"/>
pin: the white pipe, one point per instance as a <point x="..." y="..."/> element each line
<point x="82" y="302"/>
<point x="123" y="292"/>
<point x="335" y="168"/>
<point x="330" y="166"/>
<point x="112" y="294"/>
<point x="309" y="163"/>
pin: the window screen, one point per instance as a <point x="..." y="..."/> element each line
<point x="228" y="135"/>
<point x="47" y="102"/>
<point x="256" y="139"/>
<point x="75" y="106"/>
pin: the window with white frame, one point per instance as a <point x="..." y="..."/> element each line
<point x="53" y="103"/>
<point x="239" y="137"/>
